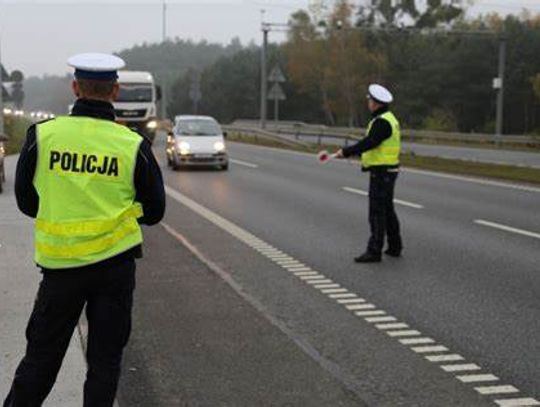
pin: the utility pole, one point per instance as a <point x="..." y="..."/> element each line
<point x="163" y="81"/>
<point x="500" y="90"/>
<point x="264" y="87"/>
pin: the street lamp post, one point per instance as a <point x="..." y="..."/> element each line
<point x="163" y="81"/>
<point x="264" y="87"/>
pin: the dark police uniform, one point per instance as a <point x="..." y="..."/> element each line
<point x="383" y="219"/>
<point x="105" y="287"/>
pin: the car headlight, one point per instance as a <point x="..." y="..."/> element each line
<point x="219" y="146"/>
<point x="184" y="148"/>
<point x="152" y="124"/>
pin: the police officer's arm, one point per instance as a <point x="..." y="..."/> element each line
<point x="25" y="192"/>
<point x="380" y="131"/>
<point x="150" y="191"/>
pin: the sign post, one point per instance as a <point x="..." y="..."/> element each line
<point x="276" y="92"/>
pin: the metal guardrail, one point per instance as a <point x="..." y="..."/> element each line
<point x="301" y="129"/>
<point x="265" y="134"/>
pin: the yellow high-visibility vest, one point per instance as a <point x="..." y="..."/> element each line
<point x="84" y="179"/>
<point x="387" y="153"/>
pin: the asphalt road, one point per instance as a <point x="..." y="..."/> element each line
<point x="468" y="286"/>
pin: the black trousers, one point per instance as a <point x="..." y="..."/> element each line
<point x="108" y="296"/>
<point x="383" y="219"/>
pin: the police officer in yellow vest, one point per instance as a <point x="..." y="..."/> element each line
<point x="90" y="183"/>
<point x="379" y="152"/>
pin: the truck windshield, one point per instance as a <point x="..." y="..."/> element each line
<point x="135" y="93"/>
<point x="198" y="128"/>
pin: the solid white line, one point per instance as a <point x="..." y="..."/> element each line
<point x="416" y="341"/>
<point x="460" y="368"/>
<point x="522" y="402"/>
<point x="476" y="378"/>
<point x="507" y="228"/>
<point x="244" y="163"/>
<point x="445" y="358"/>
<point x="410" y="332"/>
<point x="430" y="349"/>
<point x="474" y="180"/>
<point x="397" y="201"/>
<point x="503" y="389"/>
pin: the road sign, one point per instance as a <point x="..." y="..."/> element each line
<point x="276" y="75"/>
<point x="276" y="93"/>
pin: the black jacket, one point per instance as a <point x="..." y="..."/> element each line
<point x="379" y="132"/>
<point x="148" y="180"/>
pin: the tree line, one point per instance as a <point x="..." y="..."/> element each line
<point x="440" y="81"/>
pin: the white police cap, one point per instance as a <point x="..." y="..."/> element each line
<point x="96" y="66"/>
<point x="380" y="94"/>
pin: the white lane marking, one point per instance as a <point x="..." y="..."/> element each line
<point x="397" y="201"/>
<point x="313" y="278"/>
<point x="334" y="290"/>
<point x="349" y="295"/>
<point x="370" y="313"/>
<point x="477" y="378"/>
<point x="502" y="389"/>
<point x="319" y="281"/>
<point x="295" y="269"/>
<point x="395" y="325"/>
<point x="410" y="332"/>
<point x="444" y="358"/>
<point x="306" y="273"/>
<point x="321" y="286"/>
<point x="507" y="228"/>
<point x="460" y="368"/>
<point x="416" y="341"/>
<point x="430" y="349"/>
<point x="522" y="402"/>
<point x="351" y="300"/>
<point x="380" y="319"/>
<point x="474" y="180"/>
<point x="244" y="163"/>
<point x="360" y="307"/>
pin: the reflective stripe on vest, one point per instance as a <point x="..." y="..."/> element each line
<point x="84" y="179"/>
<point x="387" y="153"/>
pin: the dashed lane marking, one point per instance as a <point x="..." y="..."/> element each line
<point x="369" y="312"/>
<point x="507" y="228"/>
<point x="397" y="201"/>
<point x="243" y="163"/>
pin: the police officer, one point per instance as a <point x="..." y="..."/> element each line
<point x="90" y="183"/>
<point x="379" y="152"/>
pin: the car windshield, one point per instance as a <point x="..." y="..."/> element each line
<point x="198" y="128"/>
<point x="134" y="93"/>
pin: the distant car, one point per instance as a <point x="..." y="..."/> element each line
<point x="196" y="141"/>
<point x="2" y="154"/>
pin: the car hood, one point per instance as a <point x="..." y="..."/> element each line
<point x="200" y="144"/>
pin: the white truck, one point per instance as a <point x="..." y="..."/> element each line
<point x="136" y="103"/>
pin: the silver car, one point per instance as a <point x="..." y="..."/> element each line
<point x="3" y="139"/>
<point x="196" y="141"/>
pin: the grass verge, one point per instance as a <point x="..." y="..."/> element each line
<point x="15" y="129"/>
<point x="471" y="168"/>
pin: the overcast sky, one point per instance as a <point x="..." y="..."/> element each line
<point x="38" y="36"/>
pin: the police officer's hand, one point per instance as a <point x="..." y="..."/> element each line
<point x="339" y="154"/>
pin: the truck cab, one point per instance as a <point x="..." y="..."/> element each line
<point x="136" y="103"/>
